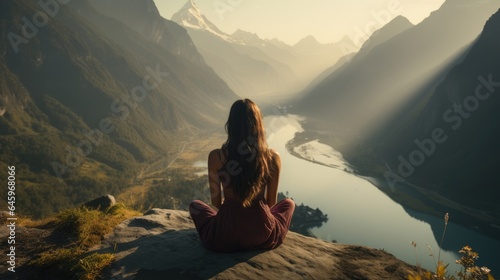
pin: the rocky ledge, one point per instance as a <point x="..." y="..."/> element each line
<point x="163" y="244"/>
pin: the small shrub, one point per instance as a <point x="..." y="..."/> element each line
<point x="92" y="265"/>
<point x="70" y="263"/>
<point x="61" y="259"/>
<point x="88" y="226"/>
<point x="469" y="269"/>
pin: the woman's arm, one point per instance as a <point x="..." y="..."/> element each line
<point x="214" y="165"/>
<point x="272" y="184"/>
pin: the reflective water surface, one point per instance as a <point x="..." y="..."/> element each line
<point x="359" y="213"/>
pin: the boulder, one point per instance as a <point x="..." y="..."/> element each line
<point x="101" y="203"/>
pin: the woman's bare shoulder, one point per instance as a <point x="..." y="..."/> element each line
<point x="274" y="153"/>
<point x="214" y="155"/>
<point x="275" y="156"/>
<point x="214" y="152"/>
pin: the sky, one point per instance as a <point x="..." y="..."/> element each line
<point x="291" y="20"/>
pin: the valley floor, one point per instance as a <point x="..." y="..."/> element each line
<point x="193" y="150"/>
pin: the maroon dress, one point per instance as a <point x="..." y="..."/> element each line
<point x="236" y="228"/>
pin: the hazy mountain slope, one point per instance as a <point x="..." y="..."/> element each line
<point x="167" y="43"/>
<point x="76" y="104"/>
<point x="395" y="27"/>
<point x="464" y="107"/>
<point x="283" y="53"/>
<point x="388" y="31"/>
<point x="144" y="18"/>
<point x="247" y="75"/>
<point x="362" y="94"/>
<point x="308" y="57"/>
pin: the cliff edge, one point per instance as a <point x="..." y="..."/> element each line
<point x="163" y="244"/>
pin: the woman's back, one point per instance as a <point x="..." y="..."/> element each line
<point x="243" y="179"/>
<point x="222" y="175"/>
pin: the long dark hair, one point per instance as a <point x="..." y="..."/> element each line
<point x="248" y="158"/>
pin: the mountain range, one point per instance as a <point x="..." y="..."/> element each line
<point x="365" y="93"/>
<point x="456" y="126"/>
<point x="93" y="93"/>
<point x="255" y="67"/>
<point x="396" y="26"/>
<point x="418" y="107"/>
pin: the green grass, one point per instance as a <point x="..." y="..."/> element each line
<point x="73" y="263"/>
<point x="87" y="227"/>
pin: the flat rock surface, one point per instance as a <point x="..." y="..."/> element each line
<point x="163" y="244"/>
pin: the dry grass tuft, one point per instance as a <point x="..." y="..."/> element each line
<point x="88" y="227"/>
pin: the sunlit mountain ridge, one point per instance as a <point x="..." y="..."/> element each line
<point x="413" y="109"/>
<point x="461" y="162"/>
<point x="364" y="94"/>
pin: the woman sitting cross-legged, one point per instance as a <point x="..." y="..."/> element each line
<point x="243" y="177"/>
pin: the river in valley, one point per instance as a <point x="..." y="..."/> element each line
<point x="359" y="213"/>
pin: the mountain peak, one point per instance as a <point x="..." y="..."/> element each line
<point x="308" y="40"/>
<point x="344" y="40"/>
<point x="309" y="44"/>
<point x="244" y="33"/>
<point x="191" y="17"/>
<point x="247" y="37"/>
<point x="401" y="20"/>
<point x="396" y="26"/>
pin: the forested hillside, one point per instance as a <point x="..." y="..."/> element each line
<point x="81" y="113"/>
